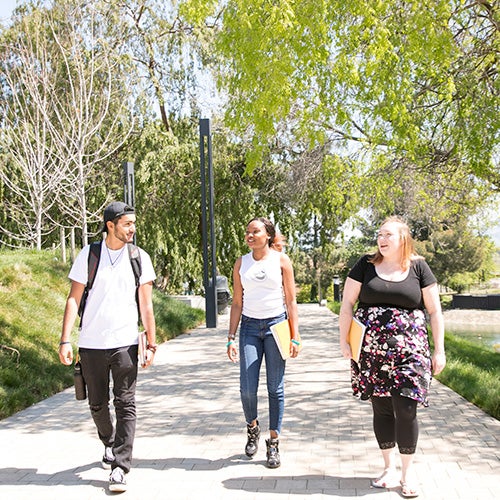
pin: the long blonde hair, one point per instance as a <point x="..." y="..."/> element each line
<point x="408" y="246"/>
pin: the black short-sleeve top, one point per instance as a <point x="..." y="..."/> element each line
<point x="376" y="291"/>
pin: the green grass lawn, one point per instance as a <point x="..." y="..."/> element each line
<point x="473" y="371"/>
<point x="33" y="291"/>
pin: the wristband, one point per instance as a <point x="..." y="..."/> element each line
<point x="152" y="348"/>
<point x="229" y="343"/>
<point x="295" y="342"/>
<point x="65" y="342"/>
<point x="231" y="336"/>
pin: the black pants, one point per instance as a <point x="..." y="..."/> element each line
<point x="121" y="362"/>
<point x="395" y="421"/>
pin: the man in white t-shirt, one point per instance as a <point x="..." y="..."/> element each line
<point x="108" y="337"/>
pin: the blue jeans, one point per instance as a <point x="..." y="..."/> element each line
<point x="121" y="362"/>
<point x="256" y="341"/>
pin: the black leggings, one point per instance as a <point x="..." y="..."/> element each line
<point x="395" y="421"/>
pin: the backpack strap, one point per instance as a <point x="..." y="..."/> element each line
<point x="135" y="262"/>
<point x="93" y="262"/>
<point x="92" y="265"/>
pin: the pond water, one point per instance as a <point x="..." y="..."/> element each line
<point x="486" y="335"/>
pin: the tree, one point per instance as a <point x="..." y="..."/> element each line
<point x="458" y="257"/>
<point x="414" y="80"/>
<point x="168" y="196"/>
<point x="169" y="44"/>
<point x="28" y="173"/>
<point x="93" y="107"/>
<point x="65" y="79"/>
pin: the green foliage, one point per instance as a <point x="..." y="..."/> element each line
<point x="334" y="306"/>
<point x="458" y="257"/>
<point x="446" y="301"/>
<point x="173" y="317"/>
<point x="460" y="282"/>
<point x="304" y="294"/>
<point x="429" y="201"/>
<point x="410" y="79"/>
<point x="197" y="11"/>
<point x="33" y="290"/>
<point x="168" y="185"/>
<point x="474" y="372"/>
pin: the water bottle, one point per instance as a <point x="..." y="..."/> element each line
<point x="80" y="387"/>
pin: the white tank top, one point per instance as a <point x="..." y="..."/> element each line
<point x="262" y="286"/>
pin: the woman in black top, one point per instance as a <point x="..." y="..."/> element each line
<point x="392" y="288"/>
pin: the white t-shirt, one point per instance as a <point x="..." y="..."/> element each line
<point x="262" y="286"/>
<point x="110" y="317"/>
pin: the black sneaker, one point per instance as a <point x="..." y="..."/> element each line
<point x="273" y="453"/>
<point x="117" y="480"/>
<point x="253" y="434"/>
<point x="108" y="458"/>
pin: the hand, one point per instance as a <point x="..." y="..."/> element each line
<point x="438" y="362"/>
<point x="294" y="350"/>
<point x="66" y="354"/>
<point x="232" y="352"/>
<point x="345" y="349"/>
<point x="149" y="358"/>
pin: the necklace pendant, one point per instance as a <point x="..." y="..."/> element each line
<point x="111" y="261"/>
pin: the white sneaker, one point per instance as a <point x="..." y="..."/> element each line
<point x="108" y="458"/>
<point x="117" y="480"/>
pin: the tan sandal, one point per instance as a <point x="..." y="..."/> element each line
<point x="408" y="491"/>
<point x="388" y="479"/>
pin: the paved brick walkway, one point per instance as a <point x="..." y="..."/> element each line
<point x="191" y="434"/>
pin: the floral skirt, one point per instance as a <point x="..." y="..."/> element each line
<point x="395" y="354"/>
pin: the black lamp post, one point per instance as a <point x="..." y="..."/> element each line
<point x="207" y="224"/>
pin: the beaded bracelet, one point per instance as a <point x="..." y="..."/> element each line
<point x="229" y="343"/>
<point x="295" y="342"/>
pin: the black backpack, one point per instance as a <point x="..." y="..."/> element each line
<point x="93" y="263"/>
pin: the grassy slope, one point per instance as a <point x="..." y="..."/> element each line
<point x="33" y="290"/>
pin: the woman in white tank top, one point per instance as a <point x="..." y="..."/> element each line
<point x="263" y="295"/>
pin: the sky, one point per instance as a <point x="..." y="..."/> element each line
<point x="6" y="8"/>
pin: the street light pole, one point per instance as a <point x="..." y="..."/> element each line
<point x="129" y="185"/>
<point x="207" y="225"/>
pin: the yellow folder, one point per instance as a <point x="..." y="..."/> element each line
<point x="355" y="338"/>
<point x="282" y="335"/>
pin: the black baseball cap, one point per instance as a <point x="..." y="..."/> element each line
<point x="114" y="210"/>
